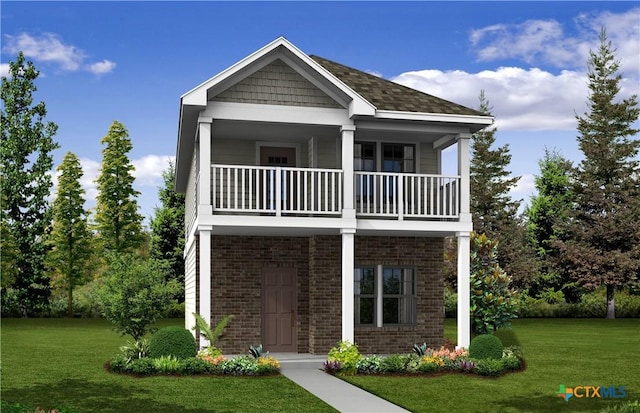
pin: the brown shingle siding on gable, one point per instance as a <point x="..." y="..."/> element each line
<point x="387" y="95"/>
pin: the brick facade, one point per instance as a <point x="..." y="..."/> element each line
<point x="236" y="267"/>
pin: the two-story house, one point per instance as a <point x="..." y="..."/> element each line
<point x="316" y="205"/>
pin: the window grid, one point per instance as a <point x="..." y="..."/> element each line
<point x="391" y="288"/>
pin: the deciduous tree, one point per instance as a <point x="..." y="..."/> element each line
<point x="26" y="160"/>
<point x="70" y="238"/>
<point x="603" y="243"/>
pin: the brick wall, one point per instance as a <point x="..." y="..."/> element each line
<point x="425" y="254"/>
<point x="236" y="268"/>
<point x="325" y="292"/>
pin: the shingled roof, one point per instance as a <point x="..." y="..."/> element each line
<point x="387" y="95"/>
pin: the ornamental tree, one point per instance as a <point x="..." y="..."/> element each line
<point x="492" y="300"/>
<point x="135" y="293"/>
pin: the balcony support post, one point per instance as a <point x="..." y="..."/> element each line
<point x="464" y="173"/>
<point x="347" y="132"/>
<point x="204" y="153"/>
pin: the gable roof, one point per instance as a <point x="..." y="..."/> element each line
<point x="387" y="95"/>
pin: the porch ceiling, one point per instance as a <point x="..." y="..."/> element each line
<point x="270" y="131"/>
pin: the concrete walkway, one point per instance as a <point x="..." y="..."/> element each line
<point x="306" y="371"/>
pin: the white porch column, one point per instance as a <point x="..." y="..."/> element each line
<point x="204" y="149"/>
<point x="464" y="163"/>
<point x="205" y="277"/>
<point x="348" y="261"/>
<point x="348" y="132"/>
<point x="464" y="298"/>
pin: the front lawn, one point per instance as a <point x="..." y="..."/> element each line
<point x="573" y="352"/>
<point x="59" y="363"/>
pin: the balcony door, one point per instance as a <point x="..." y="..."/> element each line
<point x="278" y="156"/>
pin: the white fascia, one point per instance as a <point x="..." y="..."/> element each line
<point x="434" y="117"/>
<point x="198" y="95"/>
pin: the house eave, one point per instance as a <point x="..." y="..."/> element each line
<point x="475" y="122"/>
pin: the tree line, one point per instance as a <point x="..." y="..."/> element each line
<point x="579" y="232"/>
<point x="60" y="246"/>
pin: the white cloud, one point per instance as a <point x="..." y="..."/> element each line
<point x="100" y="68"/>
<point x="524" y="188"/>
<point x="545" y="41"/>
<point x="4" y="69"/>
<point x="521" y="99"/>
<point x="148" y="169"/>
<point x="50" y="48"/>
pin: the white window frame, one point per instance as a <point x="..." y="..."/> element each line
<point x="379" y="296"/>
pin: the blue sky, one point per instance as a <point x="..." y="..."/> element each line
<point x="131" y="61"/>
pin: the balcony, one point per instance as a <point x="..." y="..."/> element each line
<point x="285" y="191"/>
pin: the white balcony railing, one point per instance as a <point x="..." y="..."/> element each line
<point x="280" y="191"/>
<point x="398" y="195"/>
<point x="276" y="190"/>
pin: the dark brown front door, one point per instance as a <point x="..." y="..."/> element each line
<point x="279" y="287"/>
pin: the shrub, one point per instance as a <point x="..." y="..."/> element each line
<point x="411" y="363"/>
<point x="195" y="365"/>
<point x="211" y="335"/>
<point x="466" y="366"/>
<point x="489" y="367"/>
<point x="141" y="367"/>
<point x="369" y="365"/>
<point x="492" y="301"/>
<point x="134" y="293"/>
<point x="394" y="363"/>
<point x="485" y="346"/>
<point x="332" y="366"/>
<point x="166" y="364"/>
<point x="172" y="341"/>
<point x="267" y="365"/>
<point x="430" y="364"/>
<point x="136" y="349"/>
<point x="240" y="366"/>
<point x="511" y="363"/>
<point x="347" y="354"/>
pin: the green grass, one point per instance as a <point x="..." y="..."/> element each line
<point x="59" y="363"/>
<point x="572" y="352"/>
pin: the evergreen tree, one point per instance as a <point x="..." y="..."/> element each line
<point x="494" y="212"/>
<point x="70" y="238"/>
<point x="118" y="222"/>
<point x="550" y="207"/>
<point x="167" y="226"/>
<point x="603" y="246"/>
<point x="26" y="147"/>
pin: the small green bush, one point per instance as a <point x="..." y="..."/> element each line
<point x="240" y="366"/>
<point x="194" y="365"/>
<point x="511" y="363"/>
<point x="490" y="367"/>
<point x="485" y="346"/>
<point x="394" y="363"/>
<point x="172" y="341"/>
<point x="347" y="354"/>
<point x="429" y="367"/>
<point x="166" y="364"/>
<point x="369" y="365"/>
<point x="142" y="367"/>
